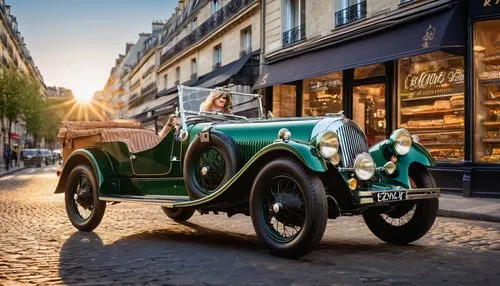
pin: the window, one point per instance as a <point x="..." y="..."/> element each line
<point x="177" y="75"/>
<point x="322" y="95"/>
<point x="284" y="101"/>
<point x="217" y="56"/>
<point x="349" y="11"/>
<point x="246" y="41"/>
<point x="194" y="68"/>
<point x="165" y="81"/>
<point x="294" y="21"/>
<point x="215" y="4"/>
<point x="431" y="103"/>
<point x="487" y="91"/>
<point x="194" y="24"/>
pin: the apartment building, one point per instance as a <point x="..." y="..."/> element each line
<point x="429" y="66"/>
<point x="15" y="54"/>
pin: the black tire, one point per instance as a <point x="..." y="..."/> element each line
<point x="219" y="157"/>
<point x="407" y="221"/>
<point x="81" y="196"/>
<point x="178" y="214"/>
<point x="301" y="203"/>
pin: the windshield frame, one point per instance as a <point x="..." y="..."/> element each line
<point x="182" y="113"/>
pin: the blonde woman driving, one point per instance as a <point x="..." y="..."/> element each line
<point x="217" y="101"/>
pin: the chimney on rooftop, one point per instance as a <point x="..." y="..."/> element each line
<point x="128" y="46"/>
<point x="157" y="25"/>
<point x="181" y="4"/>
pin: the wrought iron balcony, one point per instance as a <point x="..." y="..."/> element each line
<point x="294" y="35"/>
<point x="216" y="66"/>
<point x="350" y="14"/>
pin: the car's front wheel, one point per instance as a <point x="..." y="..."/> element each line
<point x="84" y="209"/>
<point x="288" y="208"/>
<point x="407" y="221"/>
<point x="178" y="214"/>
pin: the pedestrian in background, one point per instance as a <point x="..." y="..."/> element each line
<point x="13" y="156"/>
<point x="6" y="156"/>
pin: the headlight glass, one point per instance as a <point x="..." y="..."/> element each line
<point x="328" y="144"/>
<point x="364" y="166"/>
<point x="401" y="140"/>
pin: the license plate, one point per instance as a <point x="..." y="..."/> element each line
<point x="390" y="196"/>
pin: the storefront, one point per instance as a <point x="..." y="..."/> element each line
<point x="437" y="76"/>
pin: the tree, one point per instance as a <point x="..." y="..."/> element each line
<point x="11" y="87"/>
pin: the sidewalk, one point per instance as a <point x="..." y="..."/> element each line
<point x="3" y="172"/>
<point x="469" y="208"/>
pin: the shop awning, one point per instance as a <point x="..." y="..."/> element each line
<point x="159" y="102"/>
<point x="443" y="30"/>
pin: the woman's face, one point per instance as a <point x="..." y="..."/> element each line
<point x="220" y="101"/>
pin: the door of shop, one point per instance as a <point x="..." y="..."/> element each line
<point x="371" y="100"/>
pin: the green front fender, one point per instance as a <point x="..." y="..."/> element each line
<point x="304" y="152"/>
<point x="382" y="153"/>
<point x="97" y="159"/>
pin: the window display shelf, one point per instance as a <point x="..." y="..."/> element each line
<point x="491" y="102"/>
<point x="432" y="96"/>
<point x="434" y="128"/>
<point x="491" y="59"/>
<point x="491" y="123"/>
<point x="491" y="140"/>
<point x="434" y="112"/>
<point x="434" y="144"/>
<point x="489" y="82"/>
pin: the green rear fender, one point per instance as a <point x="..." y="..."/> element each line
<point x="100" y="163"/>
<point x="382" y="152"/>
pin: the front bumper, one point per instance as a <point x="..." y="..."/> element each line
<point x="397" y="195"/>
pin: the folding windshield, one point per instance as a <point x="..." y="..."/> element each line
<point x="202" y="104"/>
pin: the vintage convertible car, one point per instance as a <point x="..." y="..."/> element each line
<point x="290" y="174"/>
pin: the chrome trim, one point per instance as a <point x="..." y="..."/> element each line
<point x="167" y="201"/>
<point x="352" y="141"/>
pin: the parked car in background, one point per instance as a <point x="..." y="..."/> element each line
<point x="47" y="156"/>
<point x="57" y="155"/>
<point x="31" y="157"/>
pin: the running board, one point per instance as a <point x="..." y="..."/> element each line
<point x="165" y="201"/>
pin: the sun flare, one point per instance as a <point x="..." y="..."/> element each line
<point x="83" y="98"/>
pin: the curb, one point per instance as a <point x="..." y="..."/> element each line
<point x="468" y="215"/>
<point x="12" y="171"/>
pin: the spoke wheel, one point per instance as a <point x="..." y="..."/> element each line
<point x="407" y="221"/>
<point x="83" y="207"/>
<point x="211" y="169"/>
<point x="288" y="208"/>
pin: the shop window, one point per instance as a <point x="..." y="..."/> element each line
<point x="431" y="103"/>
<point x="284" y="101"/>
<point x="369" y="111"/>
<point x="322" y="95"/>
<point x="487" y="91"/>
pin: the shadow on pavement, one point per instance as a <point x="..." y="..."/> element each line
<point x="195" y="252"/>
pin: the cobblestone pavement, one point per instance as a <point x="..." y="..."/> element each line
<point x="138" y="244"/>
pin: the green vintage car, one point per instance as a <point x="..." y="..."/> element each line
<point x="288" y="174"/>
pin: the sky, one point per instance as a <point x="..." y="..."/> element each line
<point x="75" y="43"/>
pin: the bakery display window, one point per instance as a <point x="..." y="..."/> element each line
<point x="431" y="102"/>
<point x="369" y="111"/>
<point x="487" y="91"/>
<point x="322" y="95"/>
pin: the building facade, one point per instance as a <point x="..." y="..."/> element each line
<point x="14" y="54"/>
<point x="428" y="66"/>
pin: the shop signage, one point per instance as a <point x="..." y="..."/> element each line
<point x="432" y="83"/>
<point x="480" y="8"/>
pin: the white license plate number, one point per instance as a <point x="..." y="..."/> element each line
<point x="391" y="196"/>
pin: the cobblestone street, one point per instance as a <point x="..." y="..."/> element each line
<point x="138" y="244"/>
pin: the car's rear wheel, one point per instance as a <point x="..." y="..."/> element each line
<point x="288" y="208"/>
<point x="407" y="221"/>
<point x="209" y="165"/>
<point x="84" y="209"/>
<point x="178" y="214"/>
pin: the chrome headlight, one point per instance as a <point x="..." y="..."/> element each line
<point x="364" y="166"/>
<point x="327" y="144"/>
<point x="401" y="141"/>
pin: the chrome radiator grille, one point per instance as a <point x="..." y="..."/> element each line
<point x="352" y="142"/>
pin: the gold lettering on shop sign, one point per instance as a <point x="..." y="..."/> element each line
<point x="427" y="80"/>
<point x="489" y="3"/>
<point x="430" y="33"/>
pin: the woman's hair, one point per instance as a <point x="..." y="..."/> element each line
<point x="208" y="104"/>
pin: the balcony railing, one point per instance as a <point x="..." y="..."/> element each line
<point x="404" y="1"/>
<point x="294" y="35"/>
<point x="215" y="21"/>
<point x="3" y="36"/>
<point x="216" y="66"/>
<point x="148" y="71"/>
<point x="350" y="14"/>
